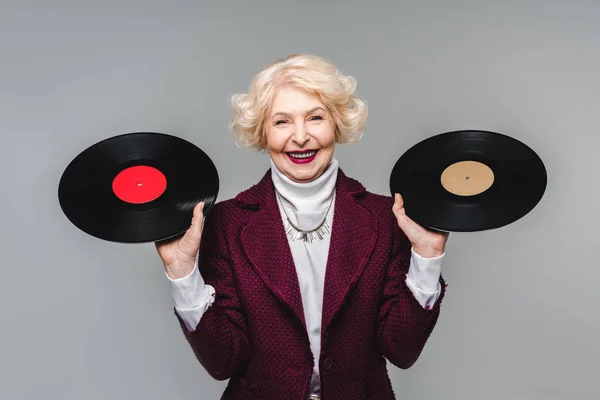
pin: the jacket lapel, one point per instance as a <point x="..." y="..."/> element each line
<point x="352" y="242"/>
<point x="354" y="232"/>
<point x="266" y="246"/>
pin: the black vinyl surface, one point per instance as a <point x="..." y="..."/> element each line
<point x="87" y="199"/>
<point x="520" y="181"/>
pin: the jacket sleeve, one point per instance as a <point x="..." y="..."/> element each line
<point x="404" y="324"/>
<point x="220" y="340"/>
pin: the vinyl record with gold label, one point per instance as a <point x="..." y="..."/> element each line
<point x="468" y="181"/>
<point x="137" y="187"/>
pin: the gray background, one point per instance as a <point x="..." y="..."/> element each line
<point x="87" y="319"/>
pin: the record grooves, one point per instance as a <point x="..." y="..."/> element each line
<point x="137" y="187"/>
<point x="469" y="180"/>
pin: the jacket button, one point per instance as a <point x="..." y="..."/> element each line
<point x="327" y="363"/>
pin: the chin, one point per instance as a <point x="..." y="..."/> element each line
<point x="304" y="177"/>
<point x="305" y="173"/>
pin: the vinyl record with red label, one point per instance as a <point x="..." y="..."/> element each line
<point x="137" y="187"/>
<point x="468" y="181"/>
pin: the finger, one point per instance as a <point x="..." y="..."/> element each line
<point x="199" y="208"/>
<point x="398" y="206"/>
<point x="398" y="200"/>
<point x="197" y="220"/>
<point x="404" y="222"/>
<point x="190" y="242"/>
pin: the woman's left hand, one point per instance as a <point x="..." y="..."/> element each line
<point x="425" y="243"/>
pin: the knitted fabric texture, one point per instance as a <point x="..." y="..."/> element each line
<point x="254" y="334"/>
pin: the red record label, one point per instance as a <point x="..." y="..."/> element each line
<point x="139" y="184"/>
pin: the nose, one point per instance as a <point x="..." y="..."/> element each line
<point x="300" y="135"/>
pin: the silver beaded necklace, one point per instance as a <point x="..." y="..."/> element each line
<point x="296" y="233"/>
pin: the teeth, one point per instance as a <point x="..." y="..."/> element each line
<point x="303" y="155"/>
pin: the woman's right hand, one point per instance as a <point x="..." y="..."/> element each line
<point x="179" y="255"/>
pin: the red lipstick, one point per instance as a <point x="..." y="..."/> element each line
<point x="302" y="160"/>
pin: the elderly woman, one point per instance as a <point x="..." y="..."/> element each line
<point x="304" y="284"/>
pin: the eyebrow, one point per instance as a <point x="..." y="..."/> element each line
<point x="312" y="110"/>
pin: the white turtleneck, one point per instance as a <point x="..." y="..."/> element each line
<point x="306" y="205"/>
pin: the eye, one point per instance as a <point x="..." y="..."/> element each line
<point x="316" y="118"/>
<point x="281" y="121"/>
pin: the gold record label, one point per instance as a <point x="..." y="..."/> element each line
<point x="467" y="178"/>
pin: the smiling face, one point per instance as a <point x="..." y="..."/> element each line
<point x="300" y="134"/>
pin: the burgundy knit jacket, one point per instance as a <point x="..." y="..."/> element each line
<point x="255" y="335"/>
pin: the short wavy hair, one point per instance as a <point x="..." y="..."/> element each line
<point x="307" y="72"/>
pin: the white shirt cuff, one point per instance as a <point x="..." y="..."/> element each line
<point x="424" y="273"/>
<point x="192" y="297"/>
